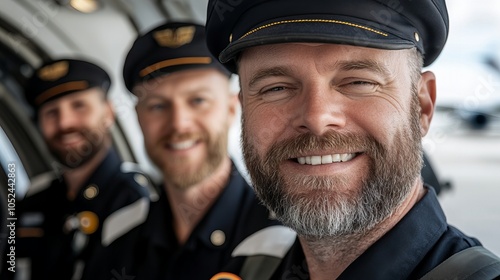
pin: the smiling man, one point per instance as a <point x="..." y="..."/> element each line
<point x="334" y="107"/>
<point x="74" y="227"/>
<point x="185" y="109"/>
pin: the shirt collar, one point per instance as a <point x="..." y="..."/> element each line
<point x="102" y="175"/>
<point x="223" y="214"/>
<point x="395" y="254"/>
<point x="105" y="171"/>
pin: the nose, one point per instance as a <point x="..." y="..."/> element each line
<point x="320" y="109"/>
<point x="180" y="118"/>
<point x="68" y="119"/>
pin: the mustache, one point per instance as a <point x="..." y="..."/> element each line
<point x="61" y="133"/>
<point x="174" y="136"/>
<point x="331" y="140"/>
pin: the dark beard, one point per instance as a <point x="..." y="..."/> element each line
<point x="74" y="158"/>
<point x="320" y="209"/>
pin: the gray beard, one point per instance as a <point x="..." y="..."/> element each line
<point x="321" y="210"/>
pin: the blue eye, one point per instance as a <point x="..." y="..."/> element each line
<point x="156" y="107"/>
<point x="198" y="100"/>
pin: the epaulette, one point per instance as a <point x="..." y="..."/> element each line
<point x="140" y="178"/>
<point x="40" y="182"/>
<point x="263" y="251"/>
<point x="124" y="219"/>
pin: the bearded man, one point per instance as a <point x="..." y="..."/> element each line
<point x="74" y="228"/>
<point x="185" y="108"/>
<point x="334" y="106"/>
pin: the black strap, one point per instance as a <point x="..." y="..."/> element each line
<point x="474" y="263"/>
<point x="259" y="267"/>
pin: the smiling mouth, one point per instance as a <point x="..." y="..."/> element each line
<point x="184" y="145"/>
<point x="326" y="159"/>
<point x="70" y="138"/>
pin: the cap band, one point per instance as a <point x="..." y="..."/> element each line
<point x="173" y="62"/>
<point x="314" y="20"/>
<point x="69" y="86"/>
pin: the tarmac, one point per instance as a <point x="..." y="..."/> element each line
<point x="470" y="160"/>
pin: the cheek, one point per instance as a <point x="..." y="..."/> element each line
<point x="380" y="119"/>
<point x="151" y="129"/>
<point x="263" y="127"/>
<point x="47" y="130"/>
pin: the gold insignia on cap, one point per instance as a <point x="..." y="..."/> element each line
<point x="54" y="71"/>
<point x="89" y="222"/>
<point x="218" y="237"/>
<point x="174" y="38"/>
<point x="91" y="192"/>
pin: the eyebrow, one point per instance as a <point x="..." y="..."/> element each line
<point x="276" y="71"/>
<point x="370" y="65"/>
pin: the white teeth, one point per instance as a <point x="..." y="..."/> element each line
<point x="182" y="145"/>
<point x="315" y="160"/>
<point x="326" y="159"/>
<point x="71" y="137"/>
<point x="336" y="158"/>
<point x="343" y="157"/>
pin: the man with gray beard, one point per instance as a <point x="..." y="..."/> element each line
<point x="334" y="105"/>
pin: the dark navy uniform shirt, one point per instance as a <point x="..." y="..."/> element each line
<point x="94" y="236"/>
<point x="417" y="244"/>
<point x="235" y="215"/>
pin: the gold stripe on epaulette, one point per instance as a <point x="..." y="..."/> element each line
<point x="315" y="20"/>
<point x="174" y="62"/>
<point x="27" y="232"/>
<point x="69" y="86"/>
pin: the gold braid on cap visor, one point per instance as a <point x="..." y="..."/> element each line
<point x="174" y="62"/>
<point x="69" y="86"/>
<point x="314" y="20"/>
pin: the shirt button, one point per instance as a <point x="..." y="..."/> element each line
<point x="218" y="237"/>
<point x="91" y="192"/>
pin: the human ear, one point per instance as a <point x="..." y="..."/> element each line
<point x="109" y="119"/>
<point x="427" y="99"/>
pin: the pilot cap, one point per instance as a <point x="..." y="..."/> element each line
<point x="234" y="25"/>
<point x="60" y="77"/>
<point x="168" y="48"/>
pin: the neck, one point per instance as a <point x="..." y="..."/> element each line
<point x="76" y="177"/>
<point x="190" y="205"/>
<point x="328" y="257"/>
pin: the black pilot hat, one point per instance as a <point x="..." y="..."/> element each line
<point x="60" y="77"/>
<point x="233" y="25"/>
<point x="170" y="47"/>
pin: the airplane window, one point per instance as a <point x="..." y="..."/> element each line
<point x="9" y="156"/>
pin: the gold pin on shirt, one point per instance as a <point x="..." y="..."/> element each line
<point x="89" y="222"/>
